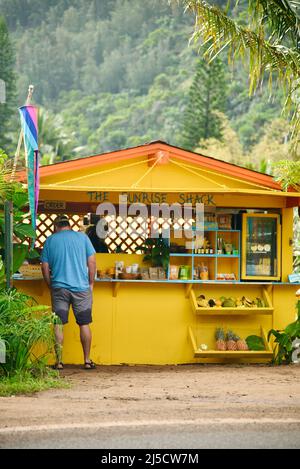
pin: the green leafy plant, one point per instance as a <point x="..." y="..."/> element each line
<point x="284" y="340"/>
<point x="26" y="329"/>
<point x="22" y="229"/>
<point x="255" y="342"/>
<point x="156" y="251"/>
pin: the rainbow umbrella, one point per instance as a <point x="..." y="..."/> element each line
<point x="28" y="115"/>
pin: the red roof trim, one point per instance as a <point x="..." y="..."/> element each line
<point x="208" y="162"/>
<point x="229" y="169"/>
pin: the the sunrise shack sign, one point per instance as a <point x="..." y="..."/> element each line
<point x="152" y="197"/>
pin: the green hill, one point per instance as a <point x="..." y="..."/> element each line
<point x="117" y="73"/>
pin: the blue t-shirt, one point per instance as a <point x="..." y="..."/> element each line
<point x="67" y="253"/>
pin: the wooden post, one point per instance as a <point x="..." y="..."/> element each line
<point x="8" y="241"/>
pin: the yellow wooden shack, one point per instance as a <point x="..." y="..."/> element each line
<point x="148" y="315"/>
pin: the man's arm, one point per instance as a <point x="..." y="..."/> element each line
<point x="46" y="273"/>
<point x="91" y="263"/>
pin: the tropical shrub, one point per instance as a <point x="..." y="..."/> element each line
<point x="22" y="229"/>
<point x="284" y="340"/>
<point x="26" y="329"/>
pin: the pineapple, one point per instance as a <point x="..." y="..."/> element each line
<point x="220" y="339"/>
<point x="231" y="341"/>
<point x="241" y="344"/>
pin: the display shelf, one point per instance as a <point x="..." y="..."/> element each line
<point x="235" y="354"/>
<point x="180" y="254"/>
<point x="234" y="311"/>
<point x="220" y="311"/>
<point x="219" y="229"/>
<point x="198" y="353"/>
<point x="193" y="282"/>
<point x="27" y="278"/>
<point x="204" y="255"/>
<point x="228" y="255"/>
<point x="260" y="253"/>
<point x="216" y="263"/>
<point x="189" y="284"/>
<point x="196" y="282"/>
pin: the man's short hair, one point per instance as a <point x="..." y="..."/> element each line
<point x="61" y="221"/>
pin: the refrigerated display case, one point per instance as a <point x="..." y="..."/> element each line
<point x="261" y="242"/>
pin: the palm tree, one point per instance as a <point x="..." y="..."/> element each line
<point x="54" y="143"/>
<point x="270" y="42"/>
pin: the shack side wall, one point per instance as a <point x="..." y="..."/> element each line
<point x="148" y="323"/>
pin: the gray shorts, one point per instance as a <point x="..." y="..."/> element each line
<point x="81" y="303"/>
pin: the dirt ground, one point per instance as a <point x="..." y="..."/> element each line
<point x="141" y="393"/>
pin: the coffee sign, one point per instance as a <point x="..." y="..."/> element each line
<point x="54" y="205"/>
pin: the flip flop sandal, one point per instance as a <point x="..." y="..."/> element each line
<point x="89" y="365"/>
<point x="58" y="366"/>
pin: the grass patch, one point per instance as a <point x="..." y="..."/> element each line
<point x="26" y="383"/>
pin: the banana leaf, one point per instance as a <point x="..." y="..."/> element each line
<point x="24" y="230"/>
<point x="293" y="329"/>
<point x="255" y="342"/>
<point x="20" y="252"/>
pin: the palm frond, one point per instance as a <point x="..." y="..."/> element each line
<point x="281" y="16"/>
<point x="265" y="55"/>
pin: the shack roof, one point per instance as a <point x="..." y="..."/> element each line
<point x="156" y="166"/>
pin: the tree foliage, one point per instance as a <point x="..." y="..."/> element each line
<point x="269" y="43"/>
<point x="207" y="95"/>
<point x="118" y="73"/>
<point x="287" y="173"/>
<point x="7" y="74"/>
<point x="227" y="147"/>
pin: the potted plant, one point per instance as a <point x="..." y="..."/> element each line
<point x="156" y="251"/>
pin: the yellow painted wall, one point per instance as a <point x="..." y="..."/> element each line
<point x="148" y="323"/>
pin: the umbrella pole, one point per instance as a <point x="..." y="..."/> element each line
<point x="8" y="210"/>
<point x="8" y="241"/>
<point x="17" y="154"/>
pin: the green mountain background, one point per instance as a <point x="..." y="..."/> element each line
<point x="111" y="74"/>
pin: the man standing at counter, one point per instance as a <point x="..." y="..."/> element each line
<point x="69" y="266"/>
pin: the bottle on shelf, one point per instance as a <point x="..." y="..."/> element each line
<point x="220" y="245"/>
<point x="203" y="272"/>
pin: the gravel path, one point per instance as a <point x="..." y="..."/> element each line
<point x="115" y="396"/>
